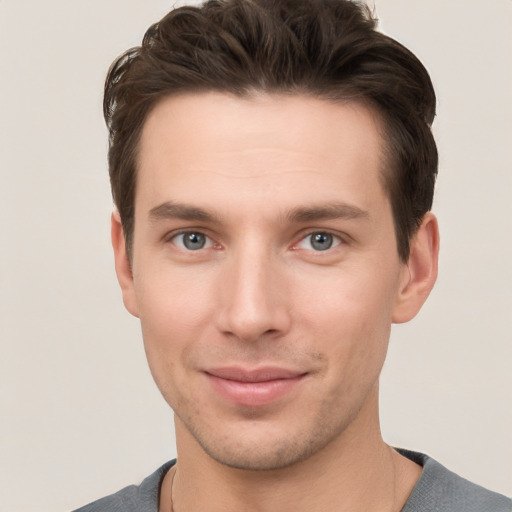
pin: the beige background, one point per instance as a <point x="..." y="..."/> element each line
<point x="80" y="415"/>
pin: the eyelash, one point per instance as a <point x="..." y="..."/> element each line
<point x="175" y="235"/>
<point x="337" y="240"/>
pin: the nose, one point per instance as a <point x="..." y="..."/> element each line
<point x="253" y="297"/>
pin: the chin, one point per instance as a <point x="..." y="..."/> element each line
<point x="259" y="458"/>
<point x="265" y="448"/>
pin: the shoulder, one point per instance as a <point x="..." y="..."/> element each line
<point x="442" y="490"/>
<point x="134" y="498"/>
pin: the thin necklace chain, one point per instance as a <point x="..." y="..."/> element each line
<point x="172" y="486"/>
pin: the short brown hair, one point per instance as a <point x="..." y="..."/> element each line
<point x="326" y="48"/>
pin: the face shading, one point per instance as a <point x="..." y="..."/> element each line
<point x="265" y="271"/>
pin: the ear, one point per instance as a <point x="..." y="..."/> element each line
<point x="123" y="265"/>
<point x="420" y="272"/>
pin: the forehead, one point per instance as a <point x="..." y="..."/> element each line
<point x="293" y="145"/>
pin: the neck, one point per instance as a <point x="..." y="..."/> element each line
<point x="355" y="472"/>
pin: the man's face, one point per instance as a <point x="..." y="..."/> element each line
<point x="265" y="272"/>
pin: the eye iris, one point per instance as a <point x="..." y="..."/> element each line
<point x="321" y="241"/>
<point x="194" y="241"/>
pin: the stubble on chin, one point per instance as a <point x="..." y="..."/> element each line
<point x="259" y="446"/>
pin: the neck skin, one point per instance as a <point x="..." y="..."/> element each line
<point x="355" y="472"/>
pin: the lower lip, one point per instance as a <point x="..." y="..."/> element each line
<point x="254" y="394"/>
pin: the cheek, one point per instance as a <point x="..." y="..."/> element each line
<point x="350" y="321"/>
<point x="174" y="313"/>
<point x="348" y="301"/>
<point x="171" y="301"/>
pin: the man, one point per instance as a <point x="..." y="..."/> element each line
<point x="273" y="170"/>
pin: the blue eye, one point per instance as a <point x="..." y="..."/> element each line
<point x="319" y="241"/>
<point x="192" y="241"/>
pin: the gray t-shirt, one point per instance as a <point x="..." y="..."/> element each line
<point x="437" y="490"/>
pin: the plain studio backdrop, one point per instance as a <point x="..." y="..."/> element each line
<point x="80" y="415"/>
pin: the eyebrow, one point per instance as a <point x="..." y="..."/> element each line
<point x="326" y="212"/>
<point x="169" y="210"/>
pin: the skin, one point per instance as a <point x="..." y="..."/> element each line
<point x="257" y="177"/>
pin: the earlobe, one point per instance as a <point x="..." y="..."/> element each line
<point x="123" y="265"/>
<point x="420" y="272"/>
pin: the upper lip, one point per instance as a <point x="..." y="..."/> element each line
<point x="262" y="374"/>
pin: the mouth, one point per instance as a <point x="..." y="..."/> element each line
<point x="254" y="387"/>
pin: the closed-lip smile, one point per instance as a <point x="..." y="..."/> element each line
<point x="256" y="386"/>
